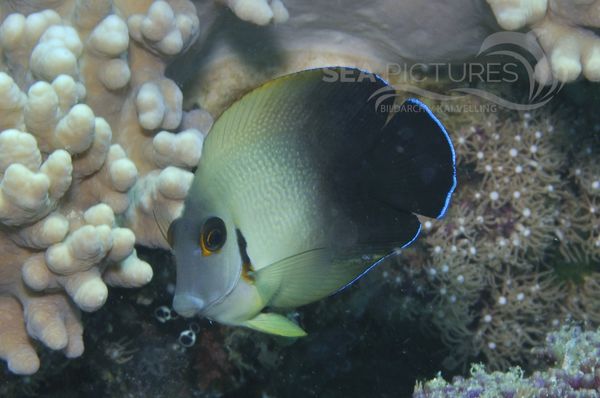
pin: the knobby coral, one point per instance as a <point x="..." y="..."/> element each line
<point x="260" y="12"/>
<point x="564" y="28"/>
<point x="88" y="159"/>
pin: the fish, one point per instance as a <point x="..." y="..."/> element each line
<point x="304" y="185"/>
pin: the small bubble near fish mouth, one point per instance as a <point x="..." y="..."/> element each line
<point x="187" y="305"/>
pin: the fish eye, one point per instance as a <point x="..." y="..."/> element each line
<point x="213" y="236"/>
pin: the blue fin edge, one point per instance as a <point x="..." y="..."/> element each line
<point x="376" y="263"/>
<point x="447" y="136"/>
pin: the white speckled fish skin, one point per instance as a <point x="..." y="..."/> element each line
<point x="268" y="182"/>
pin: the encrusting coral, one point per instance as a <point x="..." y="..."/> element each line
<point x="572" y="372"/>
<point x="564" y="28"/>
<point x="371" y="35"/>
<point x="386" y="36"/>
<point x="88" y="160"/>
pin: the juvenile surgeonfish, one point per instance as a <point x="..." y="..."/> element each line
<point x="305" y="184"/>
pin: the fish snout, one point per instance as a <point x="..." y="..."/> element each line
<point x="187" y="305"/>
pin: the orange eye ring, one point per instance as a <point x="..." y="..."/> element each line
<point x="212" y="236"/>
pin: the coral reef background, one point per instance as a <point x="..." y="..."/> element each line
<point x="387" y="331"/>
<point x="518" y="255"/>
<point x="96" y="154"/>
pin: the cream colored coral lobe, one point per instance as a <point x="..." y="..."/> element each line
<point x="73" y="198"/>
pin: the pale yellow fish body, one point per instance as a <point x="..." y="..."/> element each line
<point x="285" y="195"/>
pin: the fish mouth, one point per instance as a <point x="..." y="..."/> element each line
<point x="188" y="305"/>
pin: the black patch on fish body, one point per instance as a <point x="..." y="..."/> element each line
<point x="247" y="269"/>
<point x="372" y="170"/>
<point x="373" y="187"/>
<point x="242" y="246"/>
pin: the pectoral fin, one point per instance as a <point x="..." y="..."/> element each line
<point x="275" y="324"/>
<point x="306" y="277"/>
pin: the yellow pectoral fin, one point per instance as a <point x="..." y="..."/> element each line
<point x="306" y="277"/>
<point x="275" y="324"/>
